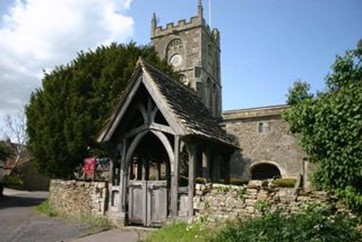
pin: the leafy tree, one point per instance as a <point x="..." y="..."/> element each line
<point x="329" y="126"/>
<point x="65" y="115"/>
<point x="15" y="127"/>
<point x="299" y="92"/>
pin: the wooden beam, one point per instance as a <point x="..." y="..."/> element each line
<point x="192" y="149"/>
<point x="149" y="109"/>
<point x="174" y="178"/>
<point x="163" y="105"/>
<point x="117" y="116"/>
<point x="143" y="111"/>
<point x="226" y="163"/>
<point x="153" y="114"/>
<point x="123" y="178"/>
<point x="205" y="164"/>
<point x="166" y="144"/>
<point x="135" y="131"/>
<point x="162" y="128"/>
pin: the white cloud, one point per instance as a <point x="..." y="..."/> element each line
<point x="36" y="35"/>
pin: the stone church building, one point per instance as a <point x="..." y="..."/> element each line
<point x="171" y="135"/>
<point x="266" y="147"/>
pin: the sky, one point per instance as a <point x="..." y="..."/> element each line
<point x="266" y="44"/>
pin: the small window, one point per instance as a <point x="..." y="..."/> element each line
<point x="197" y="71"/>
<point x="263" y="127"/>
<point x="199" y="89"/>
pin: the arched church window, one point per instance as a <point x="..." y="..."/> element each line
<point x="213" y="99"/>
<point x="211" y="59"/>
<point x="175" y="43"/>
<point x="199" y="89"/>
<point x="209" y="93"/>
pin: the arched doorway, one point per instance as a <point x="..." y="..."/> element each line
<point x="264" y="171"/>
<point x="148" y="182"/>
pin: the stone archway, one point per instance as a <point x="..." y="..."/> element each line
<point x="263" y="171"/>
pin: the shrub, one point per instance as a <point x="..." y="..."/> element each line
<point x="285" y="182"/>
<point x="351" y="197"/>
<point x="316" y="223"/>
<point x="14" y="181"/>
<point x="200" y="180"/>
<point x="238" y="181"/>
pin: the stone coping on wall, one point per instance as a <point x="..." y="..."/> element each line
<point x="258" y="112"/>
<point x="78" y="198"/>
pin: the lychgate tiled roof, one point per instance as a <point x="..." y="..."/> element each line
<point x="186" y="106"/>
<point x="188" y="114"/>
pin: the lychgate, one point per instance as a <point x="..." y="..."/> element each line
<point x="165" y="138"/>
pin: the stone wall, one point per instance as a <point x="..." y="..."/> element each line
<point x="216" y="203"/>
<point x="78" y="198"/>
<point x="272" y="143"/>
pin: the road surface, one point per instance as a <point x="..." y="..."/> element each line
<point x="20" y="222"/>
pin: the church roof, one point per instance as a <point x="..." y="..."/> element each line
<point x="189" y="116"/>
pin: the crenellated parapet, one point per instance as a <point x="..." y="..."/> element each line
<point x="181" y="25"/>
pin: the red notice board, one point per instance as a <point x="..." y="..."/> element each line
<point x="89" y="166"/>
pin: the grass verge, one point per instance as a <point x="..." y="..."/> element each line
<point x="180" y="232"/>
<point x="46" y="209"/>
<point x="96" y="222"/>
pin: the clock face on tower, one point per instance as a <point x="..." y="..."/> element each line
<point x="176" y="60"/>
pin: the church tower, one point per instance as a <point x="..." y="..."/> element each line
<point x="194" y="50"/>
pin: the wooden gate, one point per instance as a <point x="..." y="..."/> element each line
<point x="147" y="202"/>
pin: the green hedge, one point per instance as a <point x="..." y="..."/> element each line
<point x="317" y="223"/>
<point x="14" y="181"/>
<point x="285" y="182"/>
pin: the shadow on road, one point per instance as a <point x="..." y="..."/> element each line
<point x="20" y="201"/>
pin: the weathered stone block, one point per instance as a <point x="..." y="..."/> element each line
<point x="255" y="184"/>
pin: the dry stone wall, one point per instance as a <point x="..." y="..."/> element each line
<point x="216" y="203"/>
<point x="78" y="198"/>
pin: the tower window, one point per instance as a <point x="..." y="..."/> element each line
<point x="197" y="71"/>
<point x="199" y="89"/>
<point x="175" y="43"/>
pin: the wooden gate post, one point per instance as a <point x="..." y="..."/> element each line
<point x="192" y="163"/>
<point x="174" y="178"/>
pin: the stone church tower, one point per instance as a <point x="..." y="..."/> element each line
<point x="194" y="50"/>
